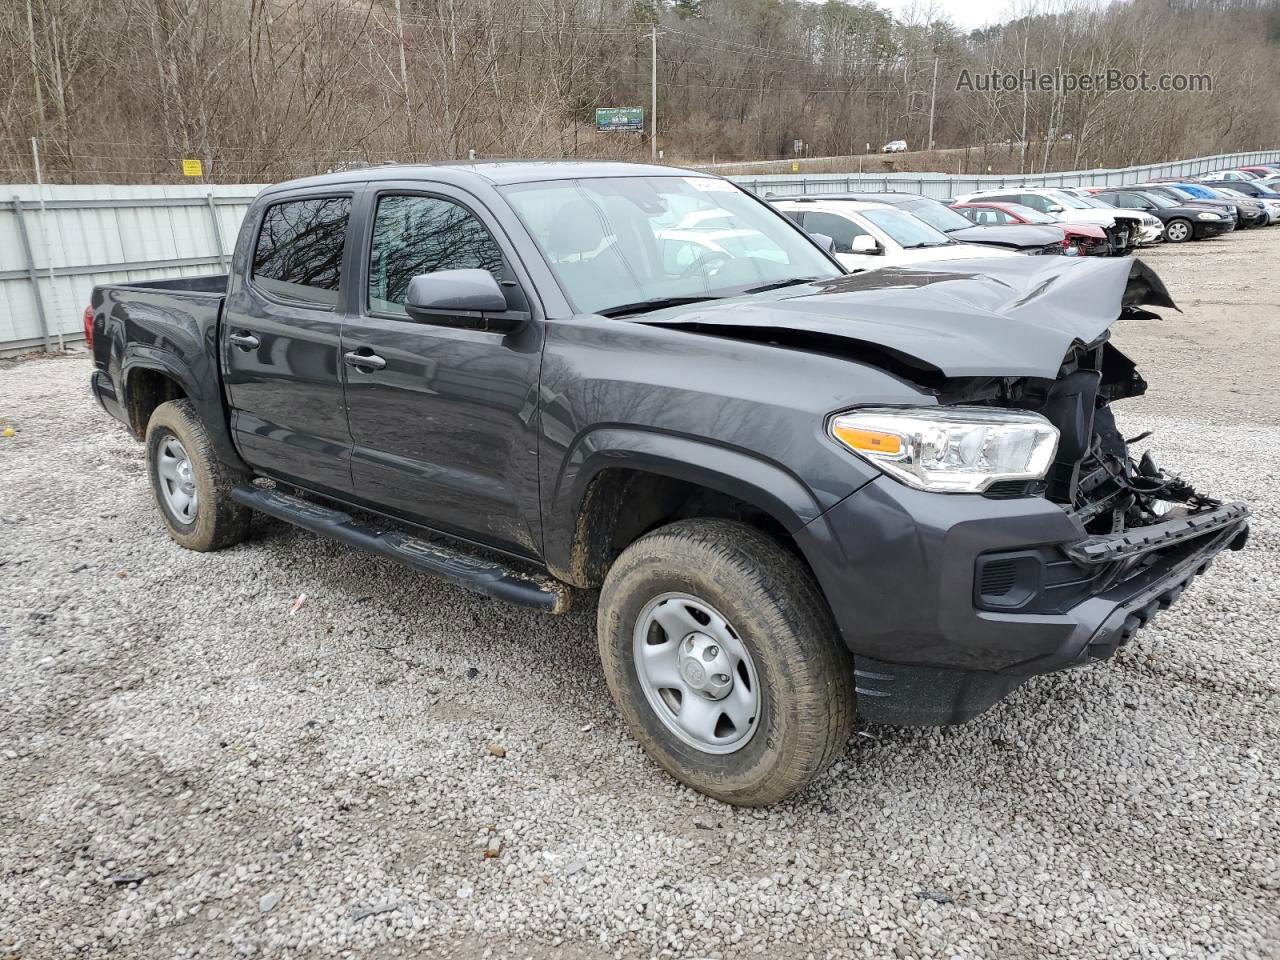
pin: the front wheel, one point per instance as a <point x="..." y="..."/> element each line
<point x="191" y="485"/>
<point x="1177" y="231"/>
<point x="724" y="661"/>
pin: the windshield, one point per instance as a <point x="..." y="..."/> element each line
<point x="1177" y="192"/>
<point x="1163" y="202"/>
<point x="1228" y="192"/>
<point x="614" y="241"/>
<point x="1067" y="200"/>
<point x="1029" y="214"/>
<point x="905" y="229"/>
<point x="936" y="214"/>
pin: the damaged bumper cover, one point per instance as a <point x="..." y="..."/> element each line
<point x="967" y="597"/>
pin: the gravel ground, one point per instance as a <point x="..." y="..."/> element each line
<point x="186" y="769"/>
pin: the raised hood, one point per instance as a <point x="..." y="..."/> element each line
<point x="1009" y="317"/>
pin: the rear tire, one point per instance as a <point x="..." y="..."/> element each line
<point x="192" y="486"/>
<point x="1178" y="231"/>
<point x="759" y="607"/>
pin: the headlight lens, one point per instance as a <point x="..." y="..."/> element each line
<point x="1207" y="216"/>
<point x="952" y="449"/>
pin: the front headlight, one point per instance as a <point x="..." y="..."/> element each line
<point x="1207" y="216"/>
<point x="950" y="449"/>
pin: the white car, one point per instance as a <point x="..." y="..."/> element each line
<point x="1123" y="228"/>
<point x="1229" y="175"/>
<point x="869" y="236"/>
<point x="894" y="146"/>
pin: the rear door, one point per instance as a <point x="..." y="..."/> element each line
<point x="280" y="337"/>
<point x="443" y="418"/>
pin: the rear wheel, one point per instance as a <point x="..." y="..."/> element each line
<point x="1177" y="231"/>
<point x="724" y="661"/>
<point x="191" y="485"/>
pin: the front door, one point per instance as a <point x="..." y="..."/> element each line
<point x="443" y="419"/>
<point x="281" y="330"/>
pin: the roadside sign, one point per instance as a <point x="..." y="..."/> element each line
<point x="192" y="168"/>
<point x="795" y="166"/>
<point x="620" y="118"/>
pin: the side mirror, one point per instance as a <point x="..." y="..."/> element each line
<point x="864" y="244"/>
<point x="1055" y="208"/>
<point x="459" y="298"/>
<point x="826" y="243"/>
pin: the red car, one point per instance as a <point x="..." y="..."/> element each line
<point x="1079" y="239"/>
<point x="1262" y="171"/>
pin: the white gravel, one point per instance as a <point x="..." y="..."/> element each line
<point x="187" y="770"/>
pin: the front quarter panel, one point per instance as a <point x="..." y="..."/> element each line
<point x="742" y="417"/>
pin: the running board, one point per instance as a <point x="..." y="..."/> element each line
<point x="483" y="576"/>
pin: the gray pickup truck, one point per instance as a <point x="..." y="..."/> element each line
<point x="801" y="496"/>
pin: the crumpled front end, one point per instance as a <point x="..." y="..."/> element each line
<point x="949" y="602"/>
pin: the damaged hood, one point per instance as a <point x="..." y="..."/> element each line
<point x="1007" y="317"/>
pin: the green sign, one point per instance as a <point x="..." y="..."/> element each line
<point x="620" y="118"/>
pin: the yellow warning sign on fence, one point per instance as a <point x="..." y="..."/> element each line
<point x="192" y="168"/>
<point x="795" y="166"/>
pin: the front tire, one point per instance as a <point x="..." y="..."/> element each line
<point x="1178" y="231"/>
<point x="724" y="661"/>
<point x="192" y="486"/>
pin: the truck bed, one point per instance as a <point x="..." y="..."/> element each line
<point x="206" y="283"/>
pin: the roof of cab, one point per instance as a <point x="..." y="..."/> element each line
<point x="495" y="172"/>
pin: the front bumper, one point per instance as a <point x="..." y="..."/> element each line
<point x="904" y="572"/>
<point x="1149" y="233"/>
<point x="1211" y="228"/>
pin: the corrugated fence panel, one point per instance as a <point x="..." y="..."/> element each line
<point x="102" y="234"/>
<point x="108" y="233"/>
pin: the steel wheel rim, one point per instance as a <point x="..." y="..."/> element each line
<point x="696" y="673"/>
<point x="1178" y="232"/>
<point x="177" y="480"/>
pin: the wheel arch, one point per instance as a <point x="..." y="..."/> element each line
<point x="625" y="482"/>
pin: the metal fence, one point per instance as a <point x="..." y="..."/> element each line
<point x="56" y="243"/>
<point x="943" y="186"/>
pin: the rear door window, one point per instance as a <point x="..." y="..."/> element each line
<point x="299" y="251"/>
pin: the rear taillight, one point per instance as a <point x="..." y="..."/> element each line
<point x="88" y="326"/>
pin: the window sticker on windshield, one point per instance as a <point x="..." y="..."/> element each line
<point x="709" y="185"/>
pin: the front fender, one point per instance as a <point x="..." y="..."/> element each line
<point x="768" y="486"/>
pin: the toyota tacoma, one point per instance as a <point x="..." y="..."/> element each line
<point x="802" y="496"/>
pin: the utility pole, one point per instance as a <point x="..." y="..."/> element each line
<point x="933" y="99"/>
<point x="653" y="97"/>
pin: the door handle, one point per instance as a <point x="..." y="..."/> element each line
<point x="365" y="361"/>
<point x="245" y="341"/>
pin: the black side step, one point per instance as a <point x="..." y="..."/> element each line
<point x="483" y="576"/>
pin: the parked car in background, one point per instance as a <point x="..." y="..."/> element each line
<point x="1251" y="213"/>
<point x="1227" y="175"/>
<point x="869" y="236"/>
<point x="894" y="146"/>
<point x="1079" y="239"/>
<point x="1252" y="190"/>
<point x="1122" y="228"/>
<point x="1180" y="223"/>
<point x="1263" y="171"/>
<point x="1024" y="238"/>
<point x="1150" y="229"/>
<point x="1180" y="196"/>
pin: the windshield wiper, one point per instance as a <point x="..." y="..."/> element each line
<point x="656" y="303"/>
<point x="779" y="284"/>
<point x="917" y="246"/>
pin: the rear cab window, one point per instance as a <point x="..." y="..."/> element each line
<point x="298" y="255"/>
